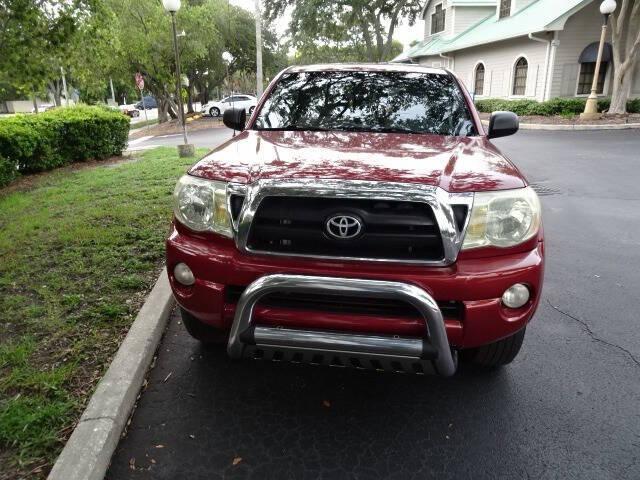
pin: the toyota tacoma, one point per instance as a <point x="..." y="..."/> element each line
<point x="361" y="217"/>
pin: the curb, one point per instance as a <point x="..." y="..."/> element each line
<point x="573" y="126"/>
<point x="87" y="454"/>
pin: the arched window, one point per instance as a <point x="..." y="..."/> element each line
<point x="478" y="84"/>
<point x="520" y="76"/>
<point x="587" y="63"/>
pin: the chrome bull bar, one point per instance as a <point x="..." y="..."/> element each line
<point x="433" y="348"/>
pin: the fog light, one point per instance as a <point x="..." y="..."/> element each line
<point x="183" y="274"/>
<point x="515" y="296"/>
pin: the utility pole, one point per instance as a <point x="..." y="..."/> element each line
<point x="258" y="50"/>
<point x="64" y="87"/>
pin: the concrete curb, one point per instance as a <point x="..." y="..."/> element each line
<point x="558" y="127"/>
<point x="87" y="454"/>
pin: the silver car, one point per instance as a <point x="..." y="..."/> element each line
<point x="216" y="108"/>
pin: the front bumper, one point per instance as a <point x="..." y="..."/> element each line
<point x="428" y="353"/>
<point x="477" y="284"/>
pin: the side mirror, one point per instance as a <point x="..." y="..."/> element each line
<point x="235" y="118"/>
<point x="502" y="124"/>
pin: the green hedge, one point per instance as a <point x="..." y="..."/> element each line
<point x="555" y="106"/>
<point x="8" y="171"/>
<point x="35" y="143"/>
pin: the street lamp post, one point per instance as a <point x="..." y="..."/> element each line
<point x="259" y="85"/>
<point x="607" y="7"/>
<point x="185" y="150"/>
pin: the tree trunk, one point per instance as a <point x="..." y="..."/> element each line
<point x="55" y="88"/>
<point x="621" y="92"/>
<point x="35" y="103"/>
<point x="190" y="98"/>
<point x="163" y="109"/>
<point x="625" y="39"/>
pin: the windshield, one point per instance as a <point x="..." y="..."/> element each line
<point x="367" y="101"/>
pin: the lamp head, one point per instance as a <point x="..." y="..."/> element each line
<point x="227" y="57"/>
<point x="607" y="7"/>
<point x="171" y="5"/>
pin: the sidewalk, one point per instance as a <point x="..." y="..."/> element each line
<point x="538" y="122"/>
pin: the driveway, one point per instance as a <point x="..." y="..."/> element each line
<point x="568" y="407"/>
<point x="208" y="138"/>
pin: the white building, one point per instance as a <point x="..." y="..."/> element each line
<point x="533" y="49"/>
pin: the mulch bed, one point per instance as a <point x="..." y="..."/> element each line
<point x="172" y="126"/>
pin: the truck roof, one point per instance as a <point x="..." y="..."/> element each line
<point x="373" y="67"/>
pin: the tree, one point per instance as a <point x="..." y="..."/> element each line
<point x="145" y="40"/>
<point x="211" y="27"/>
<point x="34" y="37"/>
<point x="91" y="57"/>
<point x="311" y="52"/>
<point x="346" y="22"/>
<point x="625" y="39"/>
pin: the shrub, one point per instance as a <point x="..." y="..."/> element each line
<point x="8" y="171"/>
<point x="633" y="106"/>
<point x="42" y="142"/>
<point x="555" y="106"/>
<point x="90" y="132"/>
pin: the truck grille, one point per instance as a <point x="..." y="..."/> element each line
<point x="391" y="230"/>
<point x="349" y="305"/>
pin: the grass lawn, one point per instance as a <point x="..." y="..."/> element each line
<point x="79" y="250"/>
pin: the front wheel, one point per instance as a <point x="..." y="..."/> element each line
<point x="201" y="331"/>
<point x="214" y="112"/>
<point x="496" y="354"/>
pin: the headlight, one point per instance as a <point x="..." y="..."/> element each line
<point x="201" y="205"/>
<point x="503" y="218"/>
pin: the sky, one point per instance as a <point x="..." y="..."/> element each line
<point x="403" y="33"/>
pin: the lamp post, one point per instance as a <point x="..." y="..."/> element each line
<point x="259" y="85"/>
<point x="607" y="7"/>
<point x="185" y="150"/>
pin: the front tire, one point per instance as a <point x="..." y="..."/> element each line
<point x="201" y="331"/>
<point x="498" y="353"/>
<point x="214" y="112"/>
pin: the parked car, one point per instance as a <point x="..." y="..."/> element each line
<point x="149" y="103"/>
<point x="44" y="107"/>
<point x="362" y="218"/>
<point x="129" y="110"/>
<point x="216" y="108"/>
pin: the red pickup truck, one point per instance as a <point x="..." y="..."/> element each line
<point x="362" y="218"/>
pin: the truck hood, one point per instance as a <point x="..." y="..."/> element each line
<point x="456" y="164"/>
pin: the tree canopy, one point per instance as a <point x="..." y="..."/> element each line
<point x="353" y="28"/>
<point x="98" y="40"/>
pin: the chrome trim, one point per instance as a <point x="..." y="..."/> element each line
<point x="338" y="342"/>
<point x="438" y="199"/>
<point x="434" y="335"/>
<point x="235" y="189"/>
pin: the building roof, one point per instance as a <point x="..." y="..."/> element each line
<point x="538" y="16"/>
<point x="472" y="3"/>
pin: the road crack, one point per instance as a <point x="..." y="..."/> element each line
<point x="593" y="336"/>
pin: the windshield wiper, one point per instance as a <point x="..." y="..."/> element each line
<point x="394" y="130"/>
<point x="296" y="128"/>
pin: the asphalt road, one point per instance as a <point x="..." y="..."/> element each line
<point x="568" y="407"/>
<point x="200" y="138"/>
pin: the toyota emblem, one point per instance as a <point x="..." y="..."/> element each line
<point x="344" y="227"/>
